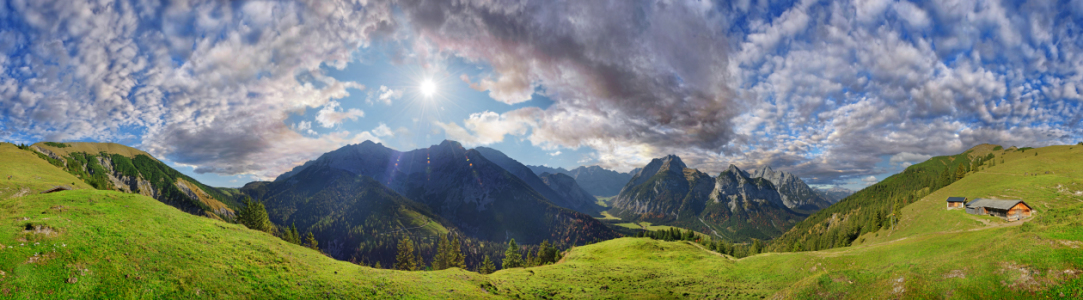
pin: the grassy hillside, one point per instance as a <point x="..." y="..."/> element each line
<point x="109" y="166"/>
<point x="23" y="173"/>
<point x="104" y="244"/>
<point x="110" y="245"/>
<point x="875" y="207"/>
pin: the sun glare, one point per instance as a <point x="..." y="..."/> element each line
<point x="427" y="88"/>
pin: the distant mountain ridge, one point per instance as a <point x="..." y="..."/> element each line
<point x="595" y="180"/>
<point x="835" y="193"/>
<point x="734" y="205"/>
<point x="565" y="194"/>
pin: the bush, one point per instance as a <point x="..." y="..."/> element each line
<point x="998" y="148"/>
<point x="58" y="145"/>
<point x="1027" y="227"/>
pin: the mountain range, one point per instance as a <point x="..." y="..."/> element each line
<point x="734" y="205"/>
<point x="594" y="179"/>
<point x="834" y="194"/>
<point x="475" y="195"/>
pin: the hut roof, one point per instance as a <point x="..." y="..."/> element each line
<point x="995" y="204"/>
<point x="956" y="199"/>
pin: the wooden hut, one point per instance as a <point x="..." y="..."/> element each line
<point x="1010" y="210"/>
<point x="956" y="202"/>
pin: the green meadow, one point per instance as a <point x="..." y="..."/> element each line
<point x="86" y="243"/>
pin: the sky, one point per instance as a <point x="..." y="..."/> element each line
<point x="837" y="92"/>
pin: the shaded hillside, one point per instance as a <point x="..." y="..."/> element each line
<point x="475" y="195"/>
<point x="566" y="187"/>
<point x="874" y="207"/>
<point x="353" y="217"/>
<point x="595" y="180"/>
<point x="732" y="206"/>
<point x="563" y="196"/>
<point x="121" y="168"/>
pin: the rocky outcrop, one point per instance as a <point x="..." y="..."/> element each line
<point x="194" y="192"/>
<point x="794" y="192"/>
<point x="734" y="205"/>
<point x="738" y="191"/>
<point x="50" y="154"/>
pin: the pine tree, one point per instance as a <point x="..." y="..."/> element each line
<point x="530" y="261"/>
<point x="456" y="257"/>
<point x="254" y="216"/>
<point x="377" y="265"/>
<point x="545" y="255"/>
<point x="960" y="172"/>
<point x="512" y="258"/>
<point x="487" y="266"/>
<point x="291" y="235"/>
<point x="440" y="260"/>
<point x="404" y="259"/>
<point x="420" y="261"/>
<point x="311" y="241"/>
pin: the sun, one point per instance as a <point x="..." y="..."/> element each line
<point x="427" y="88"/>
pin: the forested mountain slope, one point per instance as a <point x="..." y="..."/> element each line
<point x="875" y="207"/>
<point x="477" y="196"/>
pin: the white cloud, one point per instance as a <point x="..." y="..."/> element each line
<point x="386" y="94"/>
<point x="905" y="159"/>
<point x="485" y="128"/>
<point x="554" y="153"/>
<point x="330" y="116"/>
<point x="383" y="131"/>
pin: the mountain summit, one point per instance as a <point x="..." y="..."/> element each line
<point x="463" y="186"/>
<point x="734" y="205"/>
<point x="794" y="192"/>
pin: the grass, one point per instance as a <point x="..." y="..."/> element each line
<point x="29" y="174"/>
<point x="604" y="201"/>
<point x="644" y="225"/>
<point x="110" y="245"/>
<point x="91" y="148"/>
<point x="607" y="216"/>
<point x="117" y="246"/>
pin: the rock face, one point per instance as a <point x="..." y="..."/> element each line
<point x="794" y="192"/>
<point x="734" y="205"/>
<point x="595" y="180"/>
<point x="462" y="186"/>
<point x="565" y="195"/>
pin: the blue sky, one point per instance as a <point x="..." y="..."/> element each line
<point x="837" y="92"/>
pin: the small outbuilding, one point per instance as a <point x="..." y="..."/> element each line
<point x="956" y="202"/>
<point x="1010" y="210"/>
